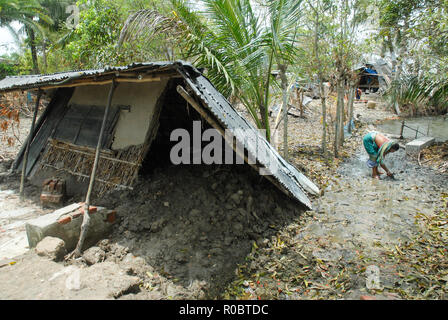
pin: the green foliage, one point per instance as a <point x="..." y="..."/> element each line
<point x="22" y="11"/>
<point x="7" y="69"/>
<point x="95" y="35"/>
<point x="419" y="94"/>
<point x="239" y="47"/>
<point x="94" y="41"/>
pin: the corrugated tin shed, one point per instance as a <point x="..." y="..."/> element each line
<point x="285" y="176"/>
<point x="27" y="82"/>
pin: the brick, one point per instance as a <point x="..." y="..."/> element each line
<point x="50" y="200"/>
<point x="53" y="198"/>
<point x="92" y="209"/>
<point x="65" y="220"/>
<point x="77" y="213"/>
<point x="112" y="216"/>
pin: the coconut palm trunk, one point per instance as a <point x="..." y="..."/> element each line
<point x="32" y="40"/>
<point x="284" y="85"/>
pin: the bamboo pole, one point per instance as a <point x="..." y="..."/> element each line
<point x="86" y="218"/>
<point x="28" y="143"/>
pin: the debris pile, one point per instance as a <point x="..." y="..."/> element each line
<point x="196" y="223"/>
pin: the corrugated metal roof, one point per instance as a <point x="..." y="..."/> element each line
<point x="287" y="176"/>
<point x="26" y="82"/>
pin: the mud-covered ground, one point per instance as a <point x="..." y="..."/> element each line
<point x="195" y="232"/>
<point x="194" y="224"/>
<point x="366" y="238"/>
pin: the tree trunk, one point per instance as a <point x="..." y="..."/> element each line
<point x="300" y="96"/>
<point x="32" y="39"/>
<point x="284" y="85"/>
<point x="323" y="101"/>
<point x="340" y="112"/>
<point x="264" y="121"/>
<point x="351" y="98"/>
<point x="336" y="126"/>
<point x="339" y="123"/>
<point x="321" y="86"/>
<point x="44" y="56"/>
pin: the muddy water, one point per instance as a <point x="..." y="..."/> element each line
<point x="432" y="126"/>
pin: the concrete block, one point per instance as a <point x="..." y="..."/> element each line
<point x="65" y="224"/>
<point x="415" y="146"/>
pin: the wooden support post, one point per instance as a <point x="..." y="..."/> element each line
<point x="28" y="143"/>
<point x="402" y="128"/>
<point x="86" y="218"/>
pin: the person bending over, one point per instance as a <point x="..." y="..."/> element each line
<point x="378" y="146"/>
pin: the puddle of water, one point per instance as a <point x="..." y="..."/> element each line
<point x="438" y="127"/>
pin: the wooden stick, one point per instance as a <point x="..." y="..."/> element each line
<point x="86" y="218"/>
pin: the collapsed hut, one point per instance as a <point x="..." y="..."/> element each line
<point x="101" y="124"/>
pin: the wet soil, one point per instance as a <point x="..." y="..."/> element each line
<point x="364" y="239"/>
<point x="194" y="224"/>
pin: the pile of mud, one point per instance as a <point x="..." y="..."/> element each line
<point x="196" y="223"/>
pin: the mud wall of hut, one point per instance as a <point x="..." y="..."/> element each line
<point x="133" y="124"/>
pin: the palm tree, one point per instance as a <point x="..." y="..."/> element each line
<point x="232" y="41"/>
<point x="56" y="10"/>
<point x="284" y="17"/>
<point x="25" y="12"/>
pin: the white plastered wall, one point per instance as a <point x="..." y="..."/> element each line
<point x="132" y="125"/>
